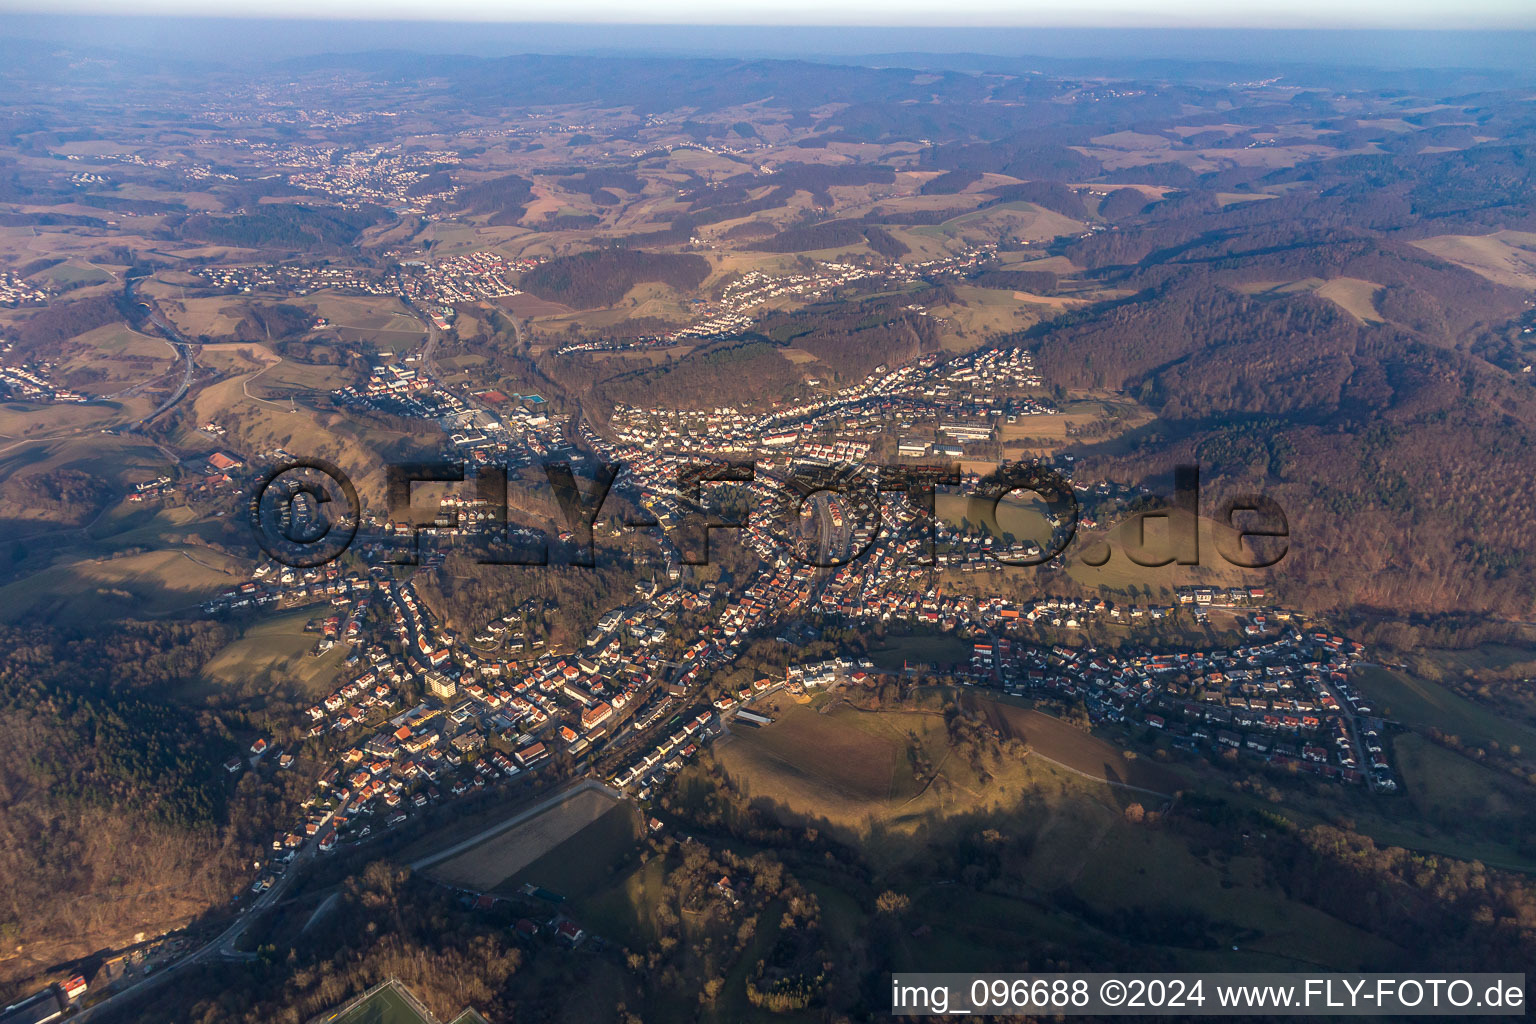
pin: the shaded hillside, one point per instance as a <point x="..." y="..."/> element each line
<point x="851" y="338"/>
<point x="603" y="277"/>
<point x="832" y="234"/>
<point x="119" y="816"/>
<point x="1366" y="434"/>
<point x="504" y="198"/>
<point x="283" y="226"/>
<point x="743" y="374"/>
<point x="42" y="335"/>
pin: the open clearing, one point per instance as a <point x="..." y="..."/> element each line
<point x="1077" y="750"/>
<point x="827" y="751"/>
<point x="1421" y="705"/>
<point x="1353" y="295"/>
<point x="1445" y="786"/>
<point x="1123" y="575"/>
<point x="922" y="648"/>
<point x="582" y="862"/>
<point x="1020" y="513"/>
<point x="1505" y="257"/>
<point x="273" y="656"/>
<point x="485" y="866"/>
<point x="95" y="590"/>
<point x="889" y="773"/>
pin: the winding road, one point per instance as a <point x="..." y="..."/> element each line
<point x="175" y="340"/>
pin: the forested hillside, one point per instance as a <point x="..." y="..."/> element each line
<point x="283" y="226"/>
<point x="119" y="814"/>
<point x="602" y="277"/>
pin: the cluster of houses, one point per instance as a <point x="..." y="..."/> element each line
<point x="18" y="291"/>
<point x="475" y="717"/>
<point x="402" y="390"/>
<point x="652" y="768"/>
<point x="493" y="429"/>
<point x="747" y="295"/>
<point x="603" y="344"/>
<point x="31" y="384"/>
<point x="434" y="288"/>
<point x="1287" y="698"/>
<point x="961" y="401"/>
<point x="478" y="720"/>
<point x="1287" y="701"/>
<point x="380" y="175"/>
<point x="744" y="298"/>
<point x="159" y="487"/>
<point x="958" y="264"/>
<point x="438" y="286"/>
<point x="295" y="279"/>
<point x="274" y="584"/>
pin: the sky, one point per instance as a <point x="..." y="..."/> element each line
<point x="1388" y="14"/>
<point x="1490" y="36"/>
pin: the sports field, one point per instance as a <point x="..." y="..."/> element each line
<point x="389" y="1005"/>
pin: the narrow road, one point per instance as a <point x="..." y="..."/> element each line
<point x="222" y="945"/>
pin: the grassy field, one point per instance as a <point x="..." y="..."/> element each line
<point x="111" y="460"/>
<point x="856" y="772"/>
<point x="116" y="357"/>
<point x="1122" y="575"/>
<point x="1505" y="257"/>
<point x="72" y="273"/>
<point x="21" y="421"/>
<point x="1353" y="295"/>
<point x="1022" y="220"/>
<point x="500" y="858"/>
<point x="1422" y="705"/>
<point x="386" y="1006"/>
<point x="1475" y="664"/>
<point x="1130" y="869"/>
<point x="987" y="311"/>
<point x="1077" y="875"/>
<point x="1080" y="751"/>
<point x="852" y="761"/>
<point x="378" y="320"/>
<point x="622" y="908"/>
<point x="582" y="863"/>
<point x="273" y="655"/>
<point x="214" y="317"/>
<point x="923" y="648"/>
<point x="1445" y="786"/>
<point x="1018" y="514"/>
<point x="137" y="585"/>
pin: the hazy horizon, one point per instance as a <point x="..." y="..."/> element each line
<point x="230" y="37"/>
<point x="1285" y="14"/>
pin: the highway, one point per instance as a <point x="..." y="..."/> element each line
<point x="173" y="338"/>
